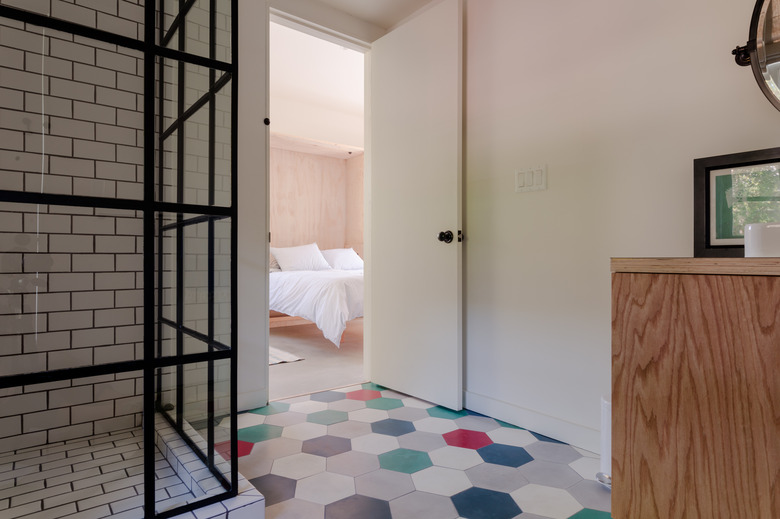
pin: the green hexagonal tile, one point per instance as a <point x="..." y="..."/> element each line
<point x="508" y="425"/>
<point x="327" y="417"/>
<point x="374" y="387"/>
<point x="272" y="408"/>
<point x="405" y="460"/>
<point x="384" y="403"/>
<point x="443" y="412"/>
<point x="259" y="433"/>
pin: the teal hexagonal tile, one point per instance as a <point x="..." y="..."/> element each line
<point x="443" y="412"/>
<point x="384" y="403"/>
<point x="373" y="387"/>
<point x="587" y="513"/>
<point x="405" y="460"/>
<point x="259" y="433"/>
<point x="272" y="408"/>
<point x="327" y="417"/>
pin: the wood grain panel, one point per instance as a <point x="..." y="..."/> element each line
<point x="354" y="223"/>
<point x="734" y="266"/>
<point x="307" y="199"/>
<point x="695" y="399"/>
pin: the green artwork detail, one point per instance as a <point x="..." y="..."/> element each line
<point x="746" y="195"/>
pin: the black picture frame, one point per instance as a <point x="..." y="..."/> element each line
<point x="704" y="246"/>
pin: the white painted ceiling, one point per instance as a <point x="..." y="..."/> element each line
<point x="314" y="71"/>
<point x="383" y="13"/>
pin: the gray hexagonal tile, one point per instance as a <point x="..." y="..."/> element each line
<point x="421" y="441"/>
<point x="349" y="429"/>
<point x="549" y="451"/>
<point x="295" y="509"/>
<point x="550" y="474"/>
<point x="422" y="504"/>
<point x="592" y="494"/>
<point x="496" y="477"/>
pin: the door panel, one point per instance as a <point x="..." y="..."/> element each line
<point x="415" y="173"/>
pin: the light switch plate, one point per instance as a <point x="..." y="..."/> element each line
<point x="531" y="179"/>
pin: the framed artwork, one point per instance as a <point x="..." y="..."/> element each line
<point x="730" y="191"/>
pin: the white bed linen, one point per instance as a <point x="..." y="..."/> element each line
<point x="330" y="298"/>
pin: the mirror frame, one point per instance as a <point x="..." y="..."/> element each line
<point x="752" y="49"/>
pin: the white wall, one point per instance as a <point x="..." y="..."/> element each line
<point x="252" y="210"/>
<point x="617" y="99"/>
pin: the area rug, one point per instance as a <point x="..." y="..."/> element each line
<point x="277" y="356"/>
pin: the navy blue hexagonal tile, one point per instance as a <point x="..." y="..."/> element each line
<point x="392" y="427"/>
<point x="326" y="446"/>
<point x="358" y="507"/>
<point x="274" y="488"/>
<point x="328" y="396"/>
<point x="507" y="455"/>
<point x="480" y="503"/>
<point x="543" y="438"/>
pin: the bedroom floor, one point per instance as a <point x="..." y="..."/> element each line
<point x="368" y="452"/>
<point x="323" y="366"/>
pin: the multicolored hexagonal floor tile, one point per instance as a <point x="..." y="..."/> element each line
<point x="369" y="452"/>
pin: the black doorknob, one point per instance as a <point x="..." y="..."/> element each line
<point x="446" y="236"/>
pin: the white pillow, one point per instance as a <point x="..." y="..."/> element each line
<point x="272" y="263"/>
<point x="343" y="259"/>
<point x="304" y="257"/>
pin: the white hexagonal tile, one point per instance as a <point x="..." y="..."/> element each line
<point x="374" y="443"/>
<point x="353" y="463"/>
<point x="245" y="420"/>
<point x="298" y="466"/>
<point x="259" y="461"/>
<point x="349" y="429"/>
<point x="308" y="406"/>
<point x="325" y="488"/>
<point x="305" y="431"/>
<point x="435" y="425"/>
<point x="384" y="484"/>
<point x="550" y="502"/>
<point x="441" y="481"/>
<point x="509" y="436"/>
<point x="477" y="423"/>
<point x="410" y="401"/>
<point x="285" y="419"/>
<point x="368" y="415"/>
<point x="496" y="477"/>
<point x="586" y="467"/>
<point x="294" y="509"/>
<point x="347" y="405"/>
<point x="455" y="457"/>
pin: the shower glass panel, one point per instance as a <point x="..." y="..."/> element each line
<point x="117" y="256"/>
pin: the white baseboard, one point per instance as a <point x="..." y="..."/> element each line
<point x="561" y="430"/>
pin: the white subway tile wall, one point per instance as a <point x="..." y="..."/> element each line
<point x="71" y="278"/>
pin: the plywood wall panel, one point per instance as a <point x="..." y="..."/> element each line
<point x="354" y="224"/>
<point x="308" y="201"/>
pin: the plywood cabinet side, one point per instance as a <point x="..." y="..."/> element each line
<point x="695" y="396"/>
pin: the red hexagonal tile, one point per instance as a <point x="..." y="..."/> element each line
<point x="223" y="448"/>
<point x="364" y="394"/>
<point x="467" y="439"/>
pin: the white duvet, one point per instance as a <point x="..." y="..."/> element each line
<point x="330" y="298"/>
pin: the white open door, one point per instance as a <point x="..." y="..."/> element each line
<point x="415" y="175"/>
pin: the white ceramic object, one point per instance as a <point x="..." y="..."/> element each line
<point x="762" y="240"/>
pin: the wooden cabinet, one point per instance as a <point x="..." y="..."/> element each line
<point x="695" y="388"/>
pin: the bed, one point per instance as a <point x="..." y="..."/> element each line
<point x="328" y="292"/>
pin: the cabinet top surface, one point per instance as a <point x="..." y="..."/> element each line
<point x="727" y="266"/>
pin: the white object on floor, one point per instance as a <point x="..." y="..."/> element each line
<point x="277" y="356"/>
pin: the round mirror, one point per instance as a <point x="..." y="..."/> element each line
<point x="764" y="48"/>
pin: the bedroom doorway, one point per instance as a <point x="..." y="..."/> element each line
<point x="315" y="196"/>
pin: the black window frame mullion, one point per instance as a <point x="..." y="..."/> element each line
<point x="149" y="263"/>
